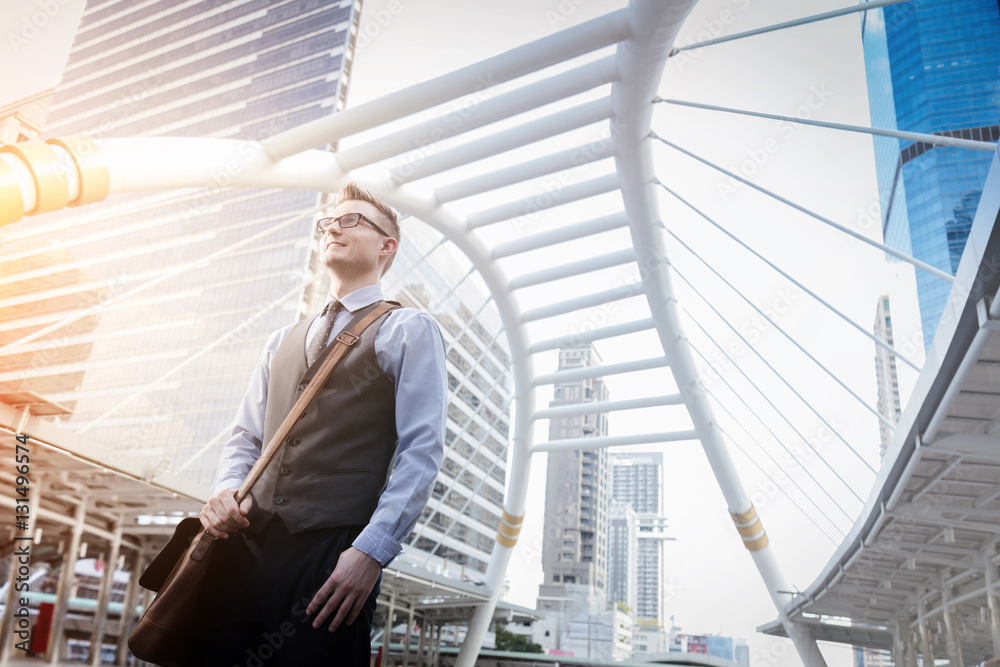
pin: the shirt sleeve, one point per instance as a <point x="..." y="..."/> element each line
<point x="414" y="359"/>
<point x="244" y="444"/>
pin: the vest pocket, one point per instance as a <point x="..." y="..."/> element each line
<point x="345" y="471"/>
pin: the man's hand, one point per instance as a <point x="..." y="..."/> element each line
<point x="346" y="590"/>
<point x="222" y="517"/>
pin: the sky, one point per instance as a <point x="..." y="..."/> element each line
<point x="814" y="71"/>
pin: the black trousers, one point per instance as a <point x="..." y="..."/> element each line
<point x="255" y="605"/>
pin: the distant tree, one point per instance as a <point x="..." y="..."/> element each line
<point x="508" y="641"/>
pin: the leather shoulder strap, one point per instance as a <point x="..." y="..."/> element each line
<point x="344" y="341"/>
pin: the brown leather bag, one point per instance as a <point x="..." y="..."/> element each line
<point x="164" y="634"/>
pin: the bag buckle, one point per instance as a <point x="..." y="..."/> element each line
<point x="341" y="338"/>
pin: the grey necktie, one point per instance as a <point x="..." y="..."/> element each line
<point x="318" y="343"/>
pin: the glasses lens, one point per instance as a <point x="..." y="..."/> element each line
<point x="323" y="224"/>
<point x="349" y="220"/>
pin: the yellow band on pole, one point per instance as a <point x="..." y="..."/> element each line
<point x="512" y="520"/>
<point x="756" y="545"/>
<point x="508" y="542"/>
<point x="747" y="517"/>
<point x="11" y="202"/>
<point x="95" y="179"/>
<point x="509" y="531"/>
<point x="49" y="174"/>
<point x="751" y="530"/>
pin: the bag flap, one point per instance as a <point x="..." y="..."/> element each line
<point x="163" y="564"/>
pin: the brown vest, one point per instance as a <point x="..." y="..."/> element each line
<point x="335" y="461"/>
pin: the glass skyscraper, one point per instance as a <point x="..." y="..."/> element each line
<point x="932" y="67"/>
<point x="166" y="299"/>
<point x="638" y="482"/>
<point x="158" y="373"/>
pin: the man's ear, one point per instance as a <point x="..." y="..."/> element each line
<point x="389" y="246"/>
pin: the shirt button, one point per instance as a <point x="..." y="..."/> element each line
<point x="284" y="470"/>
<point x="278" y="500"/>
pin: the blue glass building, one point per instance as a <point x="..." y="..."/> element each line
<point x="933" y="66"/>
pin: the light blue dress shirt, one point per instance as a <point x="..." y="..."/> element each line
<point x="411" y="353"/>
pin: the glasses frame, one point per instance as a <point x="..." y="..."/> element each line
<point x="321" y="228"/>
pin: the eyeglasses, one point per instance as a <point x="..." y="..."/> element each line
<point x="346" y="221"/>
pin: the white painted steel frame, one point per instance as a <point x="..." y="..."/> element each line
<point x="642" y="62"/>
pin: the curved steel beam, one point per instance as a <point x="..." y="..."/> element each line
<point x="641" y="60"/>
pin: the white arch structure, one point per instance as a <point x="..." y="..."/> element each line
<point x="44" y="177"/>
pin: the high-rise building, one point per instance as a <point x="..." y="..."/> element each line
<point x="931" y="68"/>
<point x="638" y="482"/>
<point x="577" y="492"/>
<point x="231" y="265"/>
<point x="458" y="527"/>
<point x="885" y="373"/>
<point x="622" y="557"/>
<point x="741" y="653"/>
<point x="166" y="299"/>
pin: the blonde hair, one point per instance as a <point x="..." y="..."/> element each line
<point x="354" y="192"/>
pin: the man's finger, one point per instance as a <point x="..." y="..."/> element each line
<point x="321" y="595"/>
<point x="332" y="605"/>
<point x="210" y="522"/>
<point x="231" y="510"/>
<point x="345" y="608"/>
<point x="359" y="604"/>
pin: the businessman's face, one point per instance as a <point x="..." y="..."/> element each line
<point x="359" y="249"/>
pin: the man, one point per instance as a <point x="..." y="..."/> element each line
<point x="303" y="555"/>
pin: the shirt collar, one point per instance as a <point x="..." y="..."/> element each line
<point x="359" y="298"/>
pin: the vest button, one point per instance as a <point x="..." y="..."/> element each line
<point x="303" y="385"/>
<point x="278" y="500"/>
<point x="284" y="470"/>
<point x="291" y="442"/>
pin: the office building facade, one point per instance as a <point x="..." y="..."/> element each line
<point x="638" y="482"/>
<point x="931" y="68"/>
<point x="886" y="377"/>
<point x="167" y="298"/>
<point x="577" y="492"/>
<point x="623" y="568"/>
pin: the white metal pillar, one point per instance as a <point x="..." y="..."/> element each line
<point x="926" y="648"/>
<point x="387" y="635"/>
<point x="952" y="640"/>
<point x="67" y="574"/>
<point x="406" y="638"/>
<point x="904" y="654"/>
<point x="128" y="616"/>
<point x="654" y="26"/>
<point x="436" y="654"/>
<point x="422" y="641"/>
<point x="991" y="597"/>
<point x="104" y="596"/>
<point x="911" y="649"/>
